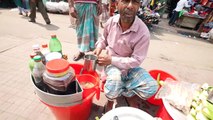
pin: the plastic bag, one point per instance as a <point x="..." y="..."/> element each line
<point x="61" y="7"/>
<point x="178" y="93"/>
<point x="52" y="6"/>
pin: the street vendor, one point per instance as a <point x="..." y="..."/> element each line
<point x="180" y="5"/>
<point x="126" y="40"/>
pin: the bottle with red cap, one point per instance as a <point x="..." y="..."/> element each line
<point x="55" y="44"/>
<point x="45" y="50"/>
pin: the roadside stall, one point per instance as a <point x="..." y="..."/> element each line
<point x="190" y="20"/>
<point x="175" y="100"/>
<point x="199" y="14"/>
<point x="148" y="16"/>
<point x="68" y="89"/>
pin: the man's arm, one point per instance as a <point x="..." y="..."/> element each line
<point x="71" y="3"/>
<point x="72" y="9"/>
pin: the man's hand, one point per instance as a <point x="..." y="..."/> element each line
<point x="97" y="51"/>
<point x="73" y="12"/>
<point x="104" y="60"/>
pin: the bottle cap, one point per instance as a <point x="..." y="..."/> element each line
<point x="65" y="57"/>
<point x="53" y="36"/>
<point x="44" y="45"/>
<point x="37" y="58"/>
<point x="57" y="66"/>
<point x="32" y="55"/>
<point x="36" y="47"/>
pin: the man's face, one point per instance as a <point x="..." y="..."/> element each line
<point x="128" y="10"/>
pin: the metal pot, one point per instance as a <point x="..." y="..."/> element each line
<point x="90" y="62"/>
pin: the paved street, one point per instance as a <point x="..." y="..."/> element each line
<point x="188" y="59"/>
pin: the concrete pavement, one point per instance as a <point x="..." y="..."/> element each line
<point x="187" y="59"/>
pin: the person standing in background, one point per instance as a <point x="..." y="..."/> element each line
<point x="72" y="19"/>
<point x="180" y="5"/>
<point x="41" y="8"/>
<point x="86" y="12"/>
<point x="23" y="6"/>
<point x="171" y="6"/>
<point x="105" y="12"/>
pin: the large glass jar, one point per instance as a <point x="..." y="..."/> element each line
<point x="58" y="75"/>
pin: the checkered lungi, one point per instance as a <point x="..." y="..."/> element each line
<point x="137" y="81"/>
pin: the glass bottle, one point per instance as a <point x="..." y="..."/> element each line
<point x="38" y="71"/>
<point x="36" y="49"/>
<point x="55" y="44"/>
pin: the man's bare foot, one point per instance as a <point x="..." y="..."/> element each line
<point x="132" y="101"/>
<point x="78" y="56"/>
<point x="108" y="106"/>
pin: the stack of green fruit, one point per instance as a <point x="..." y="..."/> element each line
<point x="208" y="110"/>
<point x="199" y="107"/>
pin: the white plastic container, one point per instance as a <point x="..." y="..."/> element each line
<point x="60" y="100"/>
<point x="52" y="56"/>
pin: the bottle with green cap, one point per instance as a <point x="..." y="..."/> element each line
<point x="36" y="49"/>
<point x="38" y="71"/>
<point x="32" y="62"/>
<point x="55" y="44"/>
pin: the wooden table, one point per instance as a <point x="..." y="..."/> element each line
<point x="189" y="20"/>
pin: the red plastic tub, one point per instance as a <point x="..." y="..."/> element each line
<point x="87" y="76"/>
<point x="80" y="111"/>
<point x="163" y="76"/>
<point x="78" y="67"/>
<point x="76" y="112"/>
<point x="87" y="91"/>
<point x="163" y="114"/>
